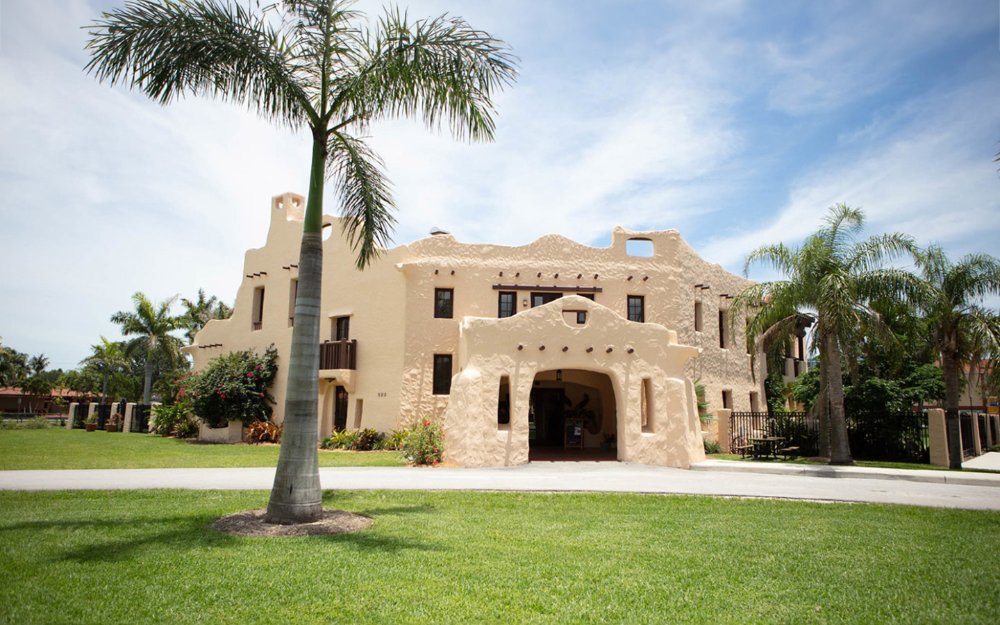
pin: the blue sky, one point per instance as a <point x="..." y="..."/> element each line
<point x="735" y="122"/>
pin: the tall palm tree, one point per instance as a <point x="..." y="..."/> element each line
<point x="150" y="325"/>
<point x="951" y="297"/>
<point x="315" y="65"/>
<point x="107" y="357"/>
<point x="831" y="278"/>
<point x="200" y="311"/>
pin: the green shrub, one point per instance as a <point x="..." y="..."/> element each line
<point x="367" y="440"/>
<point x="34" y="423"/>
<point x="343" y="439"/>
<point x="234" y="387"/>
<point x="712" y="447"/>
<point x="186" y="427"/>
<point x="424" y="444"/>
<point x="166" y="418"/>
<point x="392" y="441"/>
<point x="263" y="432"/>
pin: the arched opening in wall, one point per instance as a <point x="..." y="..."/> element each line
<point x="572" y="415"/>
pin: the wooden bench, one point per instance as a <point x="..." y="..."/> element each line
<point x="788" y="452"/>
<point x="742" y="450"/>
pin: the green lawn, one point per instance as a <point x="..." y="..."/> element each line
<point x="57" y="448"/>
<point x="150" y="557"/>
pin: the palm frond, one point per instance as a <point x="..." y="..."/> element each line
<point x="366" y="202"/>
<point x="173" y="47"/>
<point x="438" y="69"/>
<point x="876" y="250"/>
<point x="777" y="256"/>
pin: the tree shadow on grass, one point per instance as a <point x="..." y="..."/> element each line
<point x="105" y="542"/>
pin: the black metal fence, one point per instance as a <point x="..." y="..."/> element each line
<point x="968" y="444"/>
<point x="894" y="437"/>
<point x="80" y="414"/>
<point x="984" y="441"/>
<point x="140" y="419"/>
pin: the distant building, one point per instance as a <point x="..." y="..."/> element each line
<point x="517" y="349"/>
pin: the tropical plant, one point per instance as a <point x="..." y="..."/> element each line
<point x="107" y="357"/>
<point x="831" y="278"/>
<point x="200" y="311"/>
<point x="13" y="366"/>
<point x="951" y="296"/>
<point x="234" y="387"/>
<point x="263" y="432"/>
<point x="311" y="64"/>
<point x="150" y="324"/>
<point x="424" y="444"/>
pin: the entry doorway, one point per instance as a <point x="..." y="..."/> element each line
<point x="572" y="416"/>
<point x="340" y="409"/>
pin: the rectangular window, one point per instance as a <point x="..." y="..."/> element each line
<point x="444" y="303"/>
<point x="503" y="404"/>
<point x="341" y="328"/>
<point x="637" y="308"/>
<point x="698" y="324"/>
<point x="257" y="319"/>
<point x="537" y="299"/>
<point x="293" y="291"/>
<point x="581" y="317"/>
<point x="442" y="374"/>
<point x="727" y="399"/>
<point x="646" y="407"/>
<point x="507" y="304"/>
<point x="724" y="329"/>
<point x="754" y="402"/>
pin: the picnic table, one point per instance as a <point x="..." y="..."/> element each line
<point x="765" y="446"/>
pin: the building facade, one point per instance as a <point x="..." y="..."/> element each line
<point x="549" y="345"/>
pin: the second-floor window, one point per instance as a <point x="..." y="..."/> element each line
<point x="342" y="328"/>
<point x="637" y="308"/>
<point x="724" y="329"/>
<point x="507" y="304"/>
<point x="537" y="299"/>
<point x="444" y="304"/>
<point x="257" y="319"/>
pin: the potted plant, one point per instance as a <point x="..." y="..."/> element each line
<point x="90" y="423"/>
<point x="114" y="423"/>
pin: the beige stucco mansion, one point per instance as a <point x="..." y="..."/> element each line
<point x="516" y="350"/>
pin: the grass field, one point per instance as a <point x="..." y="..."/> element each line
<point x="151" y="557"/>
<point x="56" y="448"/>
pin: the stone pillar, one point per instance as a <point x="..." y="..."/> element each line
<point x="72" y="412"/>
<point x="127" y="417"/>
<point x="722" y="417"/>
<point x="977" y="444"/>
<point x="91" y="409"/>
<point x="938" y="435"/>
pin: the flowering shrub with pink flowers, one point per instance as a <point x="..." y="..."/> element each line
<point x="234" y="387"/>
<point x="424" y="444"/>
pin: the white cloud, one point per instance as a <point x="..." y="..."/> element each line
<point x="932" y="177"/>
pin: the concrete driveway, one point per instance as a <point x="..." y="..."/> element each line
<point x="982" y="493"/>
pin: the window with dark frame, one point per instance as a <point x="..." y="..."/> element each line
<point x="637" y="308"/>
<point x="723" y="329"/>
<point x="442" y="374"/>
<point x="506" y="304"/>
<point x="444" y="303"/>
<point x="342" y="328"/>
<point x="538" y="299"/>
<point x="698" y="325"/>
<point x="257" y="320"/>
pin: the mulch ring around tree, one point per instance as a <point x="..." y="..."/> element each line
<point x="251" y="523"/>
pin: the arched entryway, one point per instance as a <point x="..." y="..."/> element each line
<point x="572" y="415"/>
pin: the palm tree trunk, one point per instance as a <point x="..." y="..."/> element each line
<point x="296" y="496"/>
<point x="949" y="363"/>
<point x="147" y="385"/>
<point x="840" y="449"/>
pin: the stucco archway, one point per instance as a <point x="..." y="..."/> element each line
<point x="656" y="418"/>
<point x="571" y="413"/>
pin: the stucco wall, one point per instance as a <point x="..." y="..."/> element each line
<point x="391" y="305"/>
<point x="541" y="340"/>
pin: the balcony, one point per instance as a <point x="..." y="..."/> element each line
<point x="338" y="354"/>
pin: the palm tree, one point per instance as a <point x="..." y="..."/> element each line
<point x="312" y="64"/>
<point x="830" y="278"/>
<point x="107" y="357"/>
<point x="950" y="296"/>
<point x="201" y="311"/>
<point x="151" y="326"/>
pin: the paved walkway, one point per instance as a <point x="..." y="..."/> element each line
<point x="990" y="460"/>
<point x="982" y="493"/>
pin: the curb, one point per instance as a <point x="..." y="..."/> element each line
<point x="861" y="473"/>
